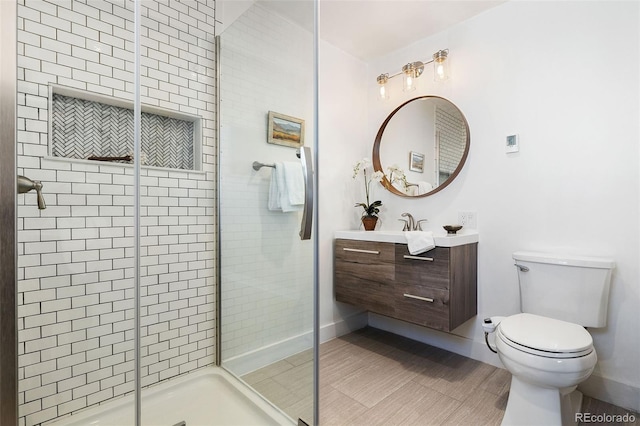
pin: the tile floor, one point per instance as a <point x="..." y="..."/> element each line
<point x="371" y="377"/>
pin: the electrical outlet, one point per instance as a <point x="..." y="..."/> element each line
<point x="468" y="219"/>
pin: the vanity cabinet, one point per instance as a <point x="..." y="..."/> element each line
<point x="436" y="289"/>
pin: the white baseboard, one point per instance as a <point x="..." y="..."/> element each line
<point x="611" y="391"/>
<point x="261" y="357"/>
<point x="451" y="342"/>
<point x="345" y="326"/>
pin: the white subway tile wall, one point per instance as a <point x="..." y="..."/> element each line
<point x="76" y="257"/>
<point x="453" y="137"/>
<point x="267" y="271"/>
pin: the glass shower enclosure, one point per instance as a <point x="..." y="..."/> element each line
<point x="146" y="278"/>
<point x="267" y="291"/>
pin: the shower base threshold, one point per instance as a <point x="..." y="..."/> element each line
<point x="207" y="397"/>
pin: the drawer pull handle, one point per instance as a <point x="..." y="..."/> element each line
<point x="428" y="259"/>
<point x="411" y="296"/>
<point x="361" y="251"/>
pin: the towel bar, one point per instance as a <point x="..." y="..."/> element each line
<point x="258" y="165"/>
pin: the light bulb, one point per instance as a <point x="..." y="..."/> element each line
<point x="441" y="64"/>
<point x="382" y="89"/>
<point x="382" y="94"/>
<point x="408" y="84"/>
<point x="411" y="71"/>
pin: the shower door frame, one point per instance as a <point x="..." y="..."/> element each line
<point x="8" y="195"/>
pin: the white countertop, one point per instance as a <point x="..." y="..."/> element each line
<point x="442" y="239"/>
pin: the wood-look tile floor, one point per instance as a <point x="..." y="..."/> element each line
<point x="371" y="377"/>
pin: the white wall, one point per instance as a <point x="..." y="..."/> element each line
<point x="342" y="142"/>
<point x="538" y="69"/>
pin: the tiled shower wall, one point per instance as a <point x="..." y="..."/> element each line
<point x="267" y="271"/>
<point x="76" y="257"/>
<point x="452" y="140"/>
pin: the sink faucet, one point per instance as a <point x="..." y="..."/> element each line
<point x="410" y="224"/>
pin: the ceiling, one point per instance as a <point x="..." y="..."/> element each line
<point x="368" y="29"/>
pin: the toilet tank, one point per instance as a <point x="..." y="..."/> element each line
<point x="568" y="288"/>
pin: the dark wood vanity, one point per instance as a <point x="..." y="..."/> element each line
<point x="436" y="289"/>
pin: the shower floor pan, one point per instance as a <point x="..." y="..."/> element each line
<point x="207" y="397"/>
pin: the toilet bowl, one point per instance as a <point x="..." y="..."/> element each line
<point x="547" y="358"/>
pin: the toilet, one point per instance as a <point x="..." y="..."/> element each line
<point x="546" y="348"/>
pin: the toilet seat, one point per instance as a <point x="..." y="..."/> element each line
<point x="546" y="337"/>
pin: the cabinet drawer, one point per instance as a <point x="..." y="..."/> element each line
<point x="364" y="274"/>
<point x="365" y="259"/>
<point x="374" y="296"/>
<point x="423" y="305"/>
<point x="430" y="269"/>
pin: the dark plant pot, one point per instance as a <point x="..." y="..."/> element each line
<point x="369" y="222"/>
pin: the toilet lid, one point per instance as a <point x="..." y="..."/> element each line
<point x="546" y="334"/>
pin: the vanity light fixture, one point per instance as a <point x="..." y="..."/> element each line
<point x="411" y="71"/>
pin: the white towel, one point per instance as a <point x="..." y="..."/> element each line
<point x="294" y="180"/>
<point x="419" y="241"/>
<point x="274" y="194"/>
<point x="278" y="191"/>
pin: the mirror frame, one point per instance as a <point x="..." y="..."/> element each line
<point x="377" y="166"/>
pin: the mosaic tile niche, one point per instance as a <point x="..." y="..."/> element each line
<point x="84" y="128"/>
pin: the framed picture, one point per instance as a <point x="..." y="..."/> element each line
<point x="416" y="162"/>
<point x="285" y="130"/>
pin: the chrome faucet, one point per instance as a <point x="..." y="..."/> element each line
<point x="410" y="224"/>
<point x="25" y="185"/>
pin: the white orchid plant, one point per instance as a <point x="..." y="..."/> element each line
<point x="370" y="209"/>
<point x="396" y="174"/>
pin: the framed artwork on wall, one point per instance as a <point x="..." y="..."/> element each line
<point x="416" y="162"/>
<point x="285" y="130"/>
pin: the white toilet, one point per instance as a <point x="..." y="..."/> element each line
<point x="546" y="348"/>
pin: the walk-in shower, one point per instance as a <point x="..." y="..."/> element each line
<point x="151" y="277"/>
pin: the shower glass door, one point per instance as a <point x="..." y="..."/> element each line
<point x="266" y="274"/>
<point x="78" y="270"/>
<point x="177" y="186"/>
<point x="75" y="92"/>
<point x="125" y="251"/>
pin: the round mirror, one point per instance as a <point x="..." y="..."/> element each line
<point x="421" y="146"/>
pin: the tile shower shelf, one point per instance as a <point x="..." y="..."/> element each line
<point x="84" y="124"/>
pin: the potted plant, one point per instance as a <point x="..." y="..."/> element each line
<point x="371" y="210"/>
